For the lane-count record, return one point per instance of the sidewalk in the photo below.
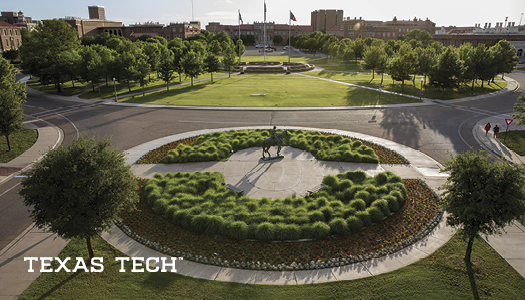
(33, 242)
(511, 244)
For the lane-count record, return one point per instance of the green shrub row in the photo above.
(219, 145)
(347, 203)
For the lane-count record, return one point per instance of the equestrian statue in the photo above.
(274, 140)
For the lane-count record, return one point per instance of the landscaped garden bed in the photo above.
(353, 218)
(324, 146)
(416, 218)
(348, 202)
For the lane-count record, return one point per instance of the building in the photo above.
(10, 36)
(96, 12)
(18, 19)
(323, 19)
(488, 35)
(257, 30)
(92, 27)
(389, 30)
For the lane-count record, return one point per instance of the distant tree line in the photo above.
(53, 53)
(417, 53)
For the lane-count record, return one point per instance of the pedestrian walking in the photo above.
(487, 128)
(496, 130)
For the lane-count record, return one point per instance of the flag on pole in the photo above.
(292, 17)
(264, 11)
(240, 18)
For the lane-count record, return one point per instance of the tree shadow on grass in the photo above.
(59, 285)
(161, 95)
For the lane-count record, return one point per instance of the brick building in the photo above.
(10, 36)
(325, 19)
(257, 30)
(389, 30)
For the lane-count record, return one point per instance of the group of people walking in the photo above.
(495, 129)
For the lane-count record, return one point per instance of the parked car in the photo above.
(268, 50)
(258, 46)
(285, 47)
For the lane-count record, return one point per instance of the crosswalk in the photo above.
(59, 110)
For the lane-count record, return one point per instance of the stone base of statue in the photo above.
(271, 157)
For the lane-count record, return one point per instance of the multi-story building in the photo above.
(257, 30)
(10, 36)
(97, 12)
(488, 35)
(18, 19)
(389, 30)
(325, 19)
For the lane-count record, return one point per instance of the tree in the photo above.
(212, 64)
(242, 48)
(79, 191)
(141, 69)
(12, 95)
(374, 58)
(167, 67)
(402, 66)
(418, 38)
(519, 110)
(482, 197)
(447, 71)
(45, 51)
(504, 58)
(11, 54)
(277, 39)
(229, 59)
(192, 65)
(91, 67)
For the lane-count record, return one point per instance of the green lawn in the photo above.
(278, 58)
(20, 142)
(514, 140)
(280, 90)
(442, 275)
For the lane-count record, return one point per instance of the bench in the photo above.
(234, 188)
(315, 189)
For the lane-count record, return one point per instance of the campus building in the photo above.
(325, 19)
(10, 36)
(384, 30)
(18, 19)
(488, 35)
(257, 30)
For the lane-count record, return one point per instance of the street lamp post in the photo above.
(115, 88)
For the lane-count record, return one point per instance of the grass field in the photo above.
(441, 275)
(20, 142)
(280, 91)
(514, 140)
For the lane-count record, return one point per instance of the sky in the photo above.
(443, 13)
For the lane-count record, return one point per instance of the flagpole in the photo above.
(264, 30)
(239, 41)
(289, 35)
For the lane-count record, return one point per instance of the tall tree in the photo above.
(374, 57)
(167, 67)
(228, 59)
(192, 64)
(47, 49)
(12, 95)
(504, 58)
(91, 67)
(240, 44)
(212, 64)
(401, 67)
(482, 196)
(447, 71)
(79, 191)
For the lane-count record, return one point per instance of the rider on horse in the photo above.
(274, 136)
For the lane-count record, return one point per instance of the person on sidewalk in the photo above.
(496, 130)
(487, 128)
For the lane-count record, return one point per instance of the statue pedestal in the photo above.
(271, 157)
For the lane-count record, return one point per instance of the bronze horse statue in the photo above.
(277, 141)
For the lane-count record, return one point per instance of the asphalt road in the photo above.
(438, 130)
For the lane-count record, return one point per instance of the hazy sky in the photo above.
(443, 13)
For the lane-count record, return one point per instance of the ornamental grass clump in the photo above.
(201, 203)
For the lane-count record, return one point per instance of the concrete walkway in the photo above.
(511, 244)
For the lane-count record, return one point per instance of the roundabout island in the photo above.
(379, 247)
